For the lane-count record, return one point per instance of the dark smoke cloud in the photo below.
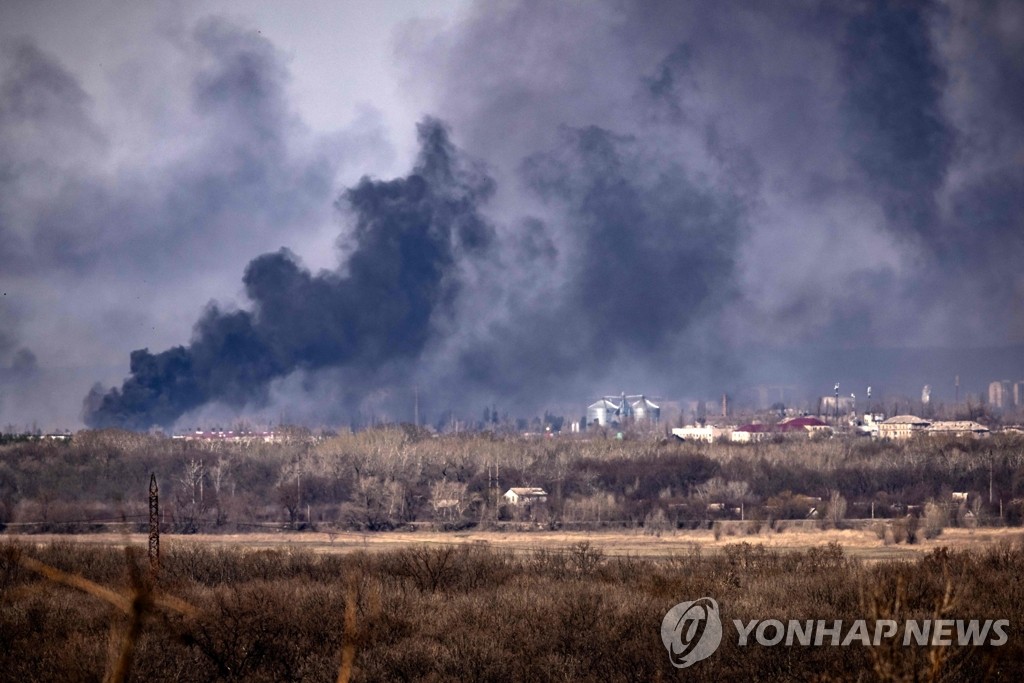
(634, 226)
(42, 109)
(241, 161)
(825, 175)
(216, 169)
(399, 277)
(24, 363)
(676, 189)
(118, 221)
(19, 370)
(641, 229)
(904, 134)
(897, 132)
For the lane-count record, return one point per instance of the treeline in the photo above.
(474, 614)
(391, 477)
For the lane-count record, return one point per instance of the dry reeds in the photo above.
(475, 613)
(139, 601)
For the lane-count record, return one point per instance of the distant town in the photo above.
(751, 415)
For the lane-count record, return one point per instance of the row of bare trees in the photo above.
(389, 477)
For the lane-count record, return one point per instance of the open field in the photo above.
(444, 607)
(381, 593)
(861, 544)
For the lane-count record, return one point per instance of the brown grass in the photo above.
(135, 604)
(475, 612)
(863, 544)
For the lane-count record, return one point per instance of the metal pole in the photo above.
(154, 526)
(991, 467)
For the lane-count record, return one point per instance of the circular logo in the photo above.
(691, 631)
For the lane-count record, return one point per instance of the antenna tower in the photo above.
(154, 526)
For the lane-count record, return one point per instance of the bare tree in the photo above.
(220, 478)
(836, 511)
(448, 499)
(191, 496)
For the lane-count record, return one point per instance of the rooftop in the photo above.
(957, 426)
(527, 491)
(906, 420)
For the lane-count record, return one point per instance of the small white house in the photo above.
(525, 495)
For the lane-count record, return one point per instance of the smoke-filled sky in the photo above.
(314, 211)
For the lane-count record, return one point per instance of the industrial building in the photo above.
(616, 411)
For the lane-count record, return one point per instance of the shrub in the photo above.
(468, 613)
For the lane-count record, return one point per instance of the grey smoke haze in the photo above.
(858, 164)
(656, 194)
(122, 234)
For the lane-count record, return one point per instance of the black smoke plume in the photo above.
(401, 275)
(683, 194)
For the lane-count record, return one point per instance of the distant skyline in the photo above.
(522, 203)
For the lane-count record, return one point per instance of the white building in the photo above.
(958, 428)
(708, 434)
(751, 433)
(525, 495)
(902, 427)
(868, 425)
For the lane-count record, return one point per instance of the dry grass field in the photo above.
(862, 544)
(487, 607)
(379, 592)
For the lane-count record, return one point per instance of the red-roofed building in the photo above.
(751, 432)
(808, 424)
(796, 425)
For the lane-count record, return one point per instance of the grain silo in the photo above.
(604, 412)
(644, 409)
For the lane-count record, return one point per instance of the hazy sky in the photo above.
(596, 192)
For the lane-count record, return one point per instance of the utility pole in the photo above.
(154, 527)
(991, 467)
(416, 406)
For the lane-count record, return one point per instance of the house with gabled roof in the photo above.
(523, 495)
